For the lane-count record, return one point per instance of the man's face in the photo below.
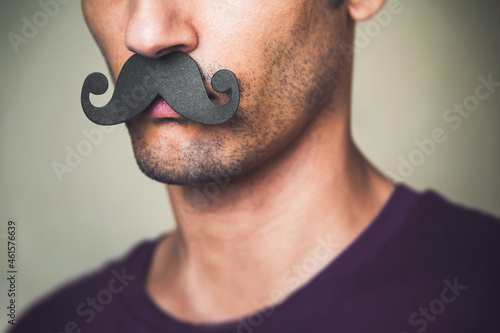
(285, 54)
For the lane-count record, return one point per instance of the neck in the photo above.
(226, 257)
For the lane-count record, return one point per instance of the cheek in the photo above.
(107, 21)
(234, 34)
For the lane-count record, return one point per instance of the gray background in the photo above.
(427, 59)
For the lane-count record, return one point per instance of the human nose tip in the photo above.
(156, 28)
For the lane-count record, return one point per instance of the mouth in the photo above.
(159, 108)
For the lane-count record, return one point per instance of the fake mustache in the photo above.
(175, 77)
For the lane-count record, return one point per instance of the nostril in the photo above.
(165, 51)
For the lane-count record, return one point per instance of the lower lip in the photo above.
(160, 109)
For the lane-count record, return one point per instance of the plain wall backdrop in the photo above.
(411, 66)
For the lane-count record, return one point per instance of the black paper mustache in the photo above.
(175, 77)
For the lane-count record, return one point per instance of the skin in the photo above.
(252, 197)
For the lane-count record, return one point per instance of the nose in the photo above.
(158, 27)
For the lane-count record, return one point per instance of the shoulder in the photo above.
(78, 301)
(440, 252)
(441, 236)
(454, 222)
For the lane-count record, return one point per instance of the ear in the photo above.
(361, 10)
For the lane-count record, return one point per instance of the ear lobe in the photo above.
(361, 10)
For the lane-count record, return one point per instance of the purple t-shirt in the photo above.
(423, 265)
